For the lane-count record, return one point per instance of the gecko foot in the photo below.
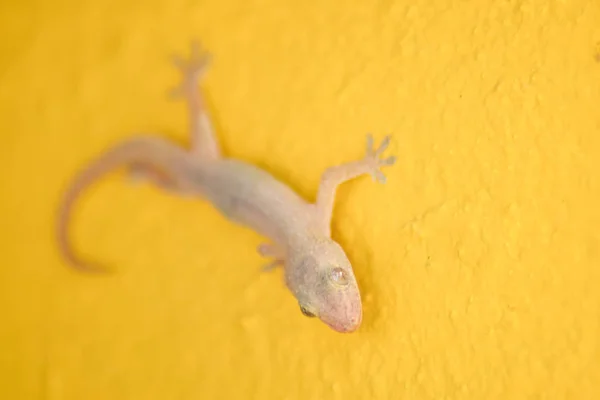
(374, 161)
(192, 69)
(272, 265)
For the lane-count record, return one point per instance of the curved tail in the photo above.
(148, 151)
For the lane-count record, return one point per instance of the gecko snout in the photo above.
(348, 326)
(344, 319)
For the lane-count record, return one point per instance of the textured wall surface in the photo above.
(479, 261)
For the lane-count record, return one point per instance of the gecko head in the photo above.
(328, 289)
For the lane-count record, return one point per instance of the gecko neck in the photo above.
(305, 241)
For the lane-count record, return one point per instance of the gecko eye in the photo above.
(306, 312)
(339, 276)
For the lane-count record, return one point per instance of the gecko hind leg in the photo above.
(139, 173)
(203, 139)
(204, 142)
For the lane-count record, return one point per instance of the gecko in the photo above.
(316, 269)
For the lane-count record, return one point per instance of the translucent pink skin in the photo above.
(316, 269)
(342, 308)
(342, 313)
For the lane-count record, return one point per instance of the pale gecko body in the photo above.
(316, 269)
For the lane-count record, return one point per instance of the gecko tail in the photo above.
(150, 151)
(65, 246)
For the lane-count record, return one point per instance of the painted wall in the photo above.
(478, 261)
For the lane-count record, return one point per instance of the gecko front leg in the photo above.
(271, 251)
(335, 176)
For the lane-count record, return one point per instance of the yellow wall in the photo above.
(478, 261)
